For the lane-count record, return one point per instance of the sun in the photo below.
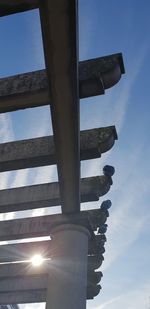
(37, 260)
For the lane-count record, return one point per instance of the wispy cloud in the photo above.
(126, 90)
(125, 223)
(108, 303)
(136, 298)
(127, 219)
(6, 134)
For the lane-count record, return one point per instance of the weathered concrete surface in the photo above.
(21, 277)
(42, 226)
(31, 89)
(29, 290)
(41, 151)
(24, 251)
(24, 297)
(26, 270)
(46, 195)
(8, 7)
(70, 250)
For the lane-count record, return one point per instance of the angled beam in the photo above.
(31, 89)
(46, 195)
(16, 6)
(42, 226)
(41, 151)
(60, 41)
(24, 251)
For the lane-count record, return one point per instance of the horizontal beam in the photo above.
(24, 251)
(16, 6)
(24, 297)
(26, 270)
(23, 283)
(27, 290)
(46, 195)
(31, 89)
(42, 226)
(41, 151)
(23, 277)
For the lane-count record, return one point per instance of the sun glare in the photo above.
(37, 260)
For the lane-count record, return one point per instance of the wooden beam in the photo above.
(31, 89)
(24, 251)
(41, 151)
(42, 226)
(60, 41)
(46, 195)
(16, 6)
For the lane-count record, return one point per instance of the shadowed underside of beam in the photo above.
(26, 269)
(31, 89)
(8, 7)
(46, 195)
(60, 43)
(24, 251)
(41, 151)
(42, 226)
(24, 297)
(23, 277)
(33, 295)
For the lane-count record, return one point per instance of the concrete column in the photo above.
(67, 283)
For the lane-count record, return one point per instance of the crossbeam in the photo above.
(8, 7)
(42, 226)
(31, 89)
(27, 270)
(27, 289)
(47, 195)
(41, 151)
(24, 251)
(24, 297)
(23, 277)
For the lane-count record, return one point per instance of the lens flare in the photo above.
(37, 260)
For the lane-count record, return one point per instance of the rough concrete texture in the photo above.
(41, 151)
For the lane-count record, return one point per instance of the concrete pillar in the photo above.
(67, 283)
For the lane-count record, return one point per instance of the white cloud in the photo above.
(126, 220)
(6, 134)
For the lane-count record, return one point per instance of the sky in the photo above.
(105, 27)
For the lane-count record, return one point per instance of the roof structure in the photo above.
(64, 82)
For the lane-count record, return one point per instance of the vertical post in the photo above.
(67, 283)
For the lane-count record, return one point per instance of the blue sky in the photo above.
(106, 27)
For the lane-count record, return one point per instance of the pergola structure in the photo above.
(67, 277)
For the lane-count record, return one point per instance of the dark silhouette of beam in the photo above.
(8, 7)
